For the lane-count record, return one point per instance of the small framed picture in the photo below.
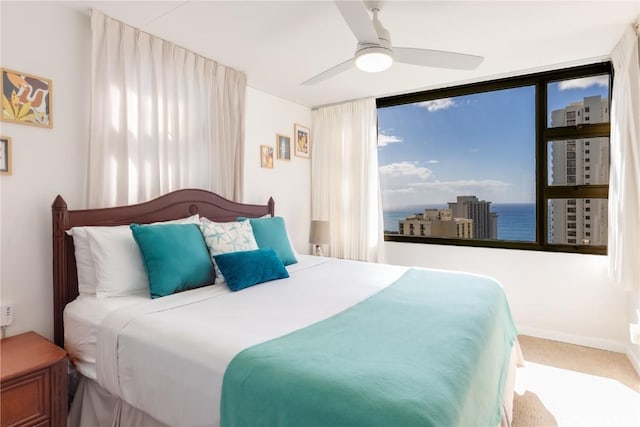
(266, 156)
(5, 155)
(283, 147)
(302, 140)
(26, 99)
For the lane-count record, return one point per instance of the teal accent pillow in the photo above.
(175, 257)
(272, 233)
(247, 268)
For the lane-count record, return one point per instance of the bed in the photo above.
(329, 342)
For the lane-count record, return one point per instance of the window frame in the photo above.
(544, 134)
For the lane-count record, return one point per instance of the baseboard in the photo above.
(600, 343)
(592, 342)
(633, 358)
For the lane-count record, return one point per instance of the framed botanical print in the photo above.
(302, 141)
(283, 147)
(26, 99)
(266, 156)
(5, 155)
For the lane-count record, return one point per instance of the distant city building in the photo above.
(578, 221)
(436, 223)
(485, 222)
(582, 161)
(592, 109)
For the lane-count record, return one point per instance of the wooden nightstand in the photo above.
(33, 382)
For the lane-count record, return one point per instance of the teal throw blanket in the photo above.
(432, 349)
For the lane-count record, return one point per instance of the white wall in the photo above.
(561, 296)
(289, 182)
(53, 40)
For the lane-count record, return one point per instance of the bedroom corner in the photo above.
(47, 162)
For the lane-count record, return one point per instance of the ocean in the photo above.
(516, 221)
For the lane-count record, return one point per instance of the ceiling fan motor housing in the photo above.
(375, 57)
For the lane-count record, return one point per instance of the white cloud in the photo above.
(437, 104)
(584, 82)
(403, 175)
(440, 192)
(461, 187)
(433, 161)
(384, 140)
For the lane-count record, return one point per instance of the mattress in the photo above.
(82, 319)
(196, 334)
(84, 315)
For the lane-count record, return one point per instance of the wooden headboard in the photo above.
(178, 204)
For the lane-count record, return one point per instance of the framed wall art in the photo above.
(266, 156)
(26, 99)
(302, 140)
(5, 155)
(283, 147)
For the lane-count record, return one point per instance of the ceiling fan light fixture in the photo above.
(374, 59)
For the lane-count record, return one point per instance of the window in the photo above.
(499, 163)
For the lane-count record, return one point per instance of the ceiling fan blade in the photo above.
(337, 69)
(436, 58)
(358, 19)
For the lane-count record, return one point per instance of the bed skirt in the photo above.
(93, 406)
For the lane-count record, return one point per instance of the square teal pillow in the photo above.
(175, 257)
(272, 233)
(247, 268)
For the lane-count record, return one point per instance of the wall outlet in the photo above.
(6, 315)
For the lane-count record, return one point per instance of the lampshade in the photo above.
(374, 59)
(319, 233)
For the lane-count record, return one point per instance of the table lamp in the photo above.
(319, 235)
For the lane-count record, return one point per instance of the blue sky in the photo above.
(481, 144)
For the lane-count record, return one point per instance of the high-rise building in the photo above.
(583, 161)
(436, 223)
(485, 222)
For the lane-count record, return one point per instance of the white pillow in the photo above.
(84, 260)
(118, 263)
(108, 259)
(226, 237)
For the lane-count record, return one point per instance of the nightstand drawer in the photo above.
(25, 400)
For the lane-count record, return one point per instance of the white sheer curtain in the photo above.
(162, 118)
(624, 183)
(344, 178)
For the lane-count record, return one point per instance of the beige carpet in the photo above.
(569, 385)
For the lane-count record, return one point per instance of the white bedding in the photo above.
(82, 319)
(219, 324)
(197, 333)
(84, 315)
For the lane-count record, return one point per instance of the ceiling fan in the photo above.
(375, 53)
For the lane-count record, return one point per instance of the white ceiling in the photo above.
(280, 44)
